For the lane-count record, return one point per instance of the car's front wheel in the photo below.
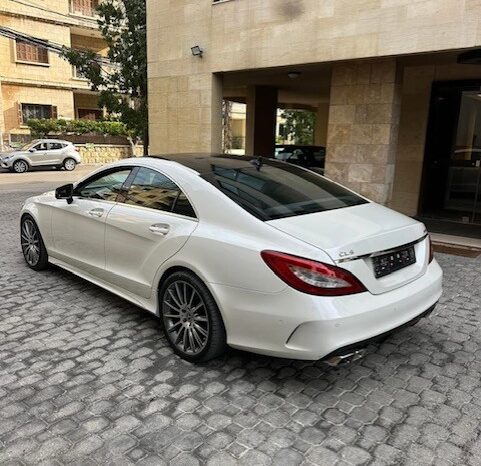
(20, 166)
(69, 164)
(33, 248)
(190, 317)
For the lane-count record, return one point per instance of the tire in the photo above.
(31, 242)
(190, 318)
(20, 166)
(69, 164)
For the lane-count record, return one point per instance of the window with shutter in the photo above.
(31, 53)
(19, 113)
(83, 7)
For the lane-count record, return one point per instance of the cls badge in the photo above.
(346, 253)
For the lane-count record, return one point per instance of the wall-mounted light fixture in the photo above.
(197, 51)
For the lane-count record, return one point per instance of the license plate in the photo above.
(393, 261)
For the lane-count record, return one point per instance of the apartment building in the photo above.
(396, 85)
(35, 82)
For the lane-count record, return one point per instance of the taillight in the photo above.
(77, 149)
(312, 277)
(431, 249)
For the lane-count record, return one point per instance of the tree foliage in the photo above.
(42, 128)
(123, 83)
(299, 126)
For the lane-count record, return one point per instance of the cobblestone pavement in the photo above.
(86, 378)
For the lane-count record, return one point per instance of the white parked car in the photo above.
(252, 253)
(41, 153)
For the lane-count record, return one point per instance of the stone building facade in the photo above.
(372, 70)
(38, 83)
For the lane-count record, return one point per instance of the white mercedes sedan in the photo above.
(252, 253)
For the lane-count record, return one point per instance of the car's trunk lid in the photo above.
(351, 235)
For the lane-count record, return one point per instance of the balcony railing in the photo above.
(83, 7)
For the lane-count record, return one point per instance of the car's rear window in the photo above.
(271, 190)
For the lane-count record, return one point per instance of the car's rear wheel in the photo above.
(33, 247)
(190, 317)
(20, 166)
(69, 164)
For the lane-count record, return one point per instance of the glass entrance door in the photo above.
(462, 190)
(452, 174)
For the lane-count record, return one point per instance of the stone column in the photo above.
(413, 124)
(322, 120)
(261, 120)
(185, 113)
(363, 127)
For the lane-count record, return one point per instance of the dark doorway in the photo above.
(452, 166)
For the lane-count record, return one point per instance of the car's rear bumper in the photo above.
(296, 325)
(360, 345)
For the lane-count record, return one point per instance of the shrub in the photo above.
(42, 128)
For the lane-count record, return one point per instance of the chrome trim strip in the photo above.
(381, 253)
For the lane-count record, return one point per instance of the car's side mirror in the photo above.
(32, 150)
(65, 192)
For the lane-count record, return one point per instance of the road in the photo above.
(40, 180)
(87, 378)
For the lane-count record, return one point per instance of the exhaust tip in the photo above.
(344, 359)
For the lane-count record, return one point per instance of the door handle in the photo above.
(98, 212)
(159, 228)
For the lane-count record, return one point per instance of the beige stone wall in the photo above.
(2, 116)
(57, 71)
(59, 6)
(185, 114)
(245, 34)
(51, 83)
(363, 127)
(13, 95)
(102, 154)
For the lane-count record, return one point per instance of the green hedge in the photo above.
(41, 128)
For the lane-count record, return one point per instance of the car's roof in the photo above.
(36, 141)
(204, 163)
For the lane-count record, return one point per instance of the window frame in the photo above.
(23, 120)
(38, 143)
(99, 175)
(82, 12)
(51, 143)
(29, 62)
(213, 178)
(128, 183)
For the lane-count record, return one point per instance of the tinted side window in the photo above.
(183, 207)
(153, 190)
(55, 146)
(41, 146)
(105, 187)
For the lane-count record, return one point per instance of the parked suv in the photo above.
(39, 153)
